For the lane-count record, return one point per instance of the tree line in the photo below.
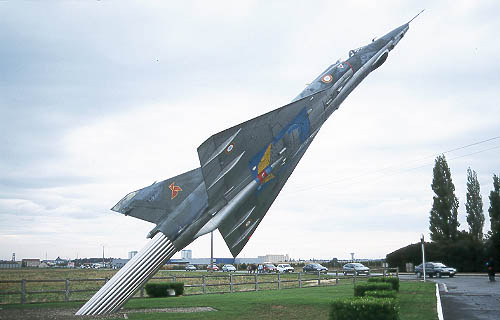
(467, 250)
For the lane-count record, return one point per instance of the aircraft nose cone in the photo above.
(396, 35)
(399, 31)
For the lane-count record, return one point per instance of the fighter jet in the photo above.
(242, 170)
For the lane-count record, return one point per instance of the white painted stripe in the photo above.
(438, 304)
(227, 169)
(240, 222)
(221, 148)
(445, 287)
(245, 234)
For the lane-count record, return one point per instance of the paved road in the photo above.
(469, 297)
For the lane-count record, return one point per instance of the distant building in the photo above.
(187, 254)
(10, 265)
(249, 260)
(119, 263)
(30, 263)
(60, 262)
(187, 258)
(131, 254)
(206, 261)
(180, 262)
(275, 258)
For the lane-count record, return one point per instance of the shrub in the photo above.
(364, 309)
(463, 254)
(392, 280)
(391, 294)
(360, 289)
(161, 289)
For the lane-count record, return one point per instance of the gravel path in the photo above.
(63, 313)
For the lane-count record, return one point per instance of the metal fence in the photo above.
(30, 291)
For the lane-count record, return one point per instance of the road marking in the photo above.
(438, 303)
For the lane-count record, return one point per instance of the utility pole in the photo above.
(103, 263)
(423, 254)
(212, 251)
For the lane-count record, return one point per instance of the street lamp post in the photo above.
(423, 254)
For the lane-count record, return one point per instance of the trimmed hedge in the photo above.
(365, 308)
(360, 289)
(392, 280)
(391, 294)
(156, 290)
(465, 255)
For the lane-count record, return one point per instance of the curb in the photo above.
(438, 304)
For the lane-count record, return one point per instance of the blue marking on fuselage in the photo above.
(300, 122)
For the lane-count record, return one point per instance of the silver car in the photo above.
(355, 269)
(228, 268)
(190, 267)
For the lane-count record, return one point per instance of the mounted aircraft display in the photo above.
(242, 170)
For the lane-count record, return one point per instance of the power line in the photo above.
(396, 166)
(470, 145)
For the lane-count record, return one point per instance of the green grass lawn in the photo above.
(417, 301)
(37, 281)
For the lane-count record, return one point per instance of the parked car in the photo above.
(435, 269)
(284, 267)
(269, 267)
(216, 268)
(314, 267)
(355, 269)
(228, 268)
(190, 267)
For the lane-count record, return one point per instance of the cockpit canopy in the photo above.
(354, 51)
(325, 80)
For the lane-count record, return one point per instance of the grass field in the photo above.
(417, 301)
(43, 282)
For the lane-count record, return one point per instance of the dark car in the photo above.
(435, 269)
(355, 269)
(314, 267)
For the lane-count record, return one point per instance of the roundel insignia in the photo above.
(327, 78)
(248, 223)
(230, 148)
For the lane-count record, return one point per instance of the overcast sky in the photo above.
(101, 98)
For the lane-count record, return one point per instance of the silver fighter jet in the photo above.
(242, 170)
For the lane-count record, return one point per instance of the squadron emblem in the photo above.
(175, 190)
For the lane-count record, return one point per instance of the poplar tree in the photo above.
(443, 220)
(494, 212)
(474, 206)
